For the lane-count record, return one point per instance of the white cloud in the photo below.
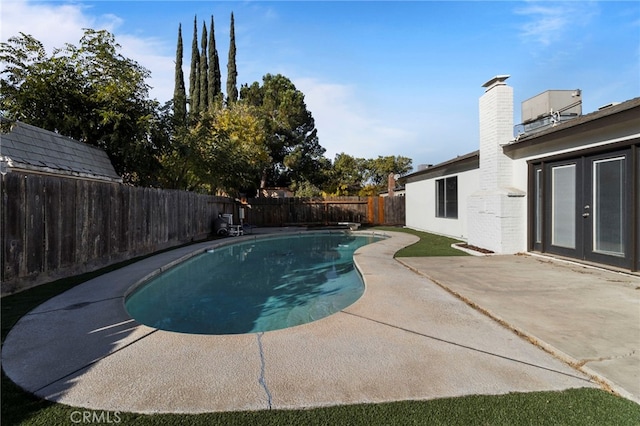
(549, 22)
(162, 67)
(53, 25)
(57, 24)
(360, 124)
(346, 124)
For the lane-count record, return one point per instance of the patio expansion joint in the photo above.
(262, 380)
(471, 348)
(95, 361)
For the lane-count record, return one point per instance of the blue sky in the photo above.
(380, 78)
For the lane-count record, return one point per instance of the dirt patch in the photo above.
(475, 248)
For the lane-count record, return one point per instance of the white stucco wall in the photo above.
(421, 205)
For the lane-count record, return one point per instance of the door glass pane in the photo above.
(538, 206)
(608, 203)
(563, 206)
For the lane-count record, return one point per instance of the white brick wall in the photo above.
(496, 128)
(496, 221)
(497, 212)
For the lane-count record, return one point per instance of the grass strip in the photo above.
(429, 244)
(582, 407)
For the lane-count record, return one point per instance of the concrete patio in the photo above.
(406, 338)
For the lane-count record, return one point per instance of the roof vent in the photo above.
(609, 105)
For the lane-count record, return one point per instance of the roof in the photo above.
(459, 164)
(621, 110)
(33, 149)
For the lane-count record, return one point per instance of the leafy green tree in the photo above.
(204, 72)
(232, 73)
(179, 161)
(194, 74)
(91, 93)
(179, 91)
(347, 175)
(46, 92)
(305, 189)
(291, 136)
(215, 87)
(379, 169)
(364, 177)
(231, 148)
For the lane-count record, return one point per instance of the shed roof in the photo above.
(33, 149)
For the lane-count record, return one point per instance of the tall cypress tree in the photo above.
(179, 95)
(214, 69)
(232, 74)
(194, 82)
(204, 71)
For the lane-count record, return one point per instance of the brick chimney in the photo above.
(391, 184)
(496, 128)
(496, 213)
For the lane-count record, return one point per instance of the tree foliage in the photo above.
(347, 175)
(263, 136)
(204, 72)
(359, 176)
(291, 136)
(89, 92)
(225, 152)
(194, 73)
(215, 87)
(179, 91)
(232, 72)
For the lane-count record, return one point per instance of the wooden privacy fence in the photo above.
(55, 227)
(325, 211)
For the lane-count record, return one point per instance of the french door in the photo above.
(582, 207)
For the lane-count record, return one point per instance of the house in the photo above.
(567, 184)
(394, 189)
(275, 192)
(30, 149)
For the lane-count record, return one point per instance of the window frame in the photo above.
(446, 202)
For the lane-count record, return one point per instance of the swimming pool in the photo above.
(255, 285)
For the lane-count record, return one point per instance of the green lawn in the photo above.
(571, 407)
(429, 244)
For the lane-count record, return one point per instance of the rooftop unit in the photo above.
(548, 109)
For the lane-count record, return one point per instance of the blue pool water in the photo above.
(253, 286)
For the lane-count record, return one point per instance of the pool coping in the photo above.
(82, 349)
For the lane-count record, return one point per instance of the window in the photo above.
(447, 197)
